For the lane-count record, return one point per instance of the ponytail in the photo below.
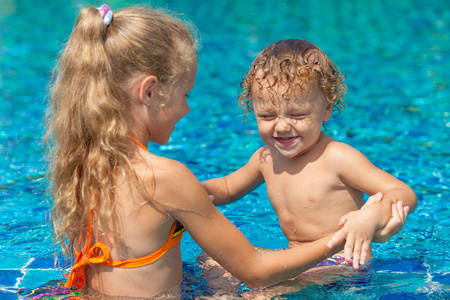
(88, 126)
(88, 116)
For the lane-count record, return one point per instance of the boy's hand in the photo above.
(358, 228)
(395, 224)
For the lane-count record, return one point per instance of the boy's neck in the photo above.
(310, 147)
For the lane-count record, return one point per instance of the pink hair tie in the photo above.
(106, 13)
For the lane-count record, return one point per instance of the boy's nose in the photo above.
(282, 124)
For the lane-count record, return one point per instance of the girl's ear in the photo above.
(148, 89)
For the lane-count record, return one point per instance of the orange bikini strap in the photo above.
(87, 243)
(88, 255)
(77, 275)
(137, 142)
(85, 256)
(173, 240)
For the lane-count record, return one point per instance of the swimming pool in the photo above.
(396, 56)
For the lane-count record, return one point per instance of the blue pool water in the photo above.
(396, 55)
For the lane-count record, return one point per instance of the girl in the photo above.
(122, 81)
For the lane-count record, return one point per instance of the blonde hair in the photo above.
(293, 64)
(87, 122)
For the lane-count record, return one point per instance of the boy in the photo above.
(314, 183)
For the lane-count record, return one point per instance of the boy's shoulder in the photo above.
(333, 149)
(341, 155)
(331, 146)
(262, 156)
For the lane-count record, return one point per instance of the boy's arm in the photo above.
(232, 187)
(382, 235)
(395, 224)
(357, 171)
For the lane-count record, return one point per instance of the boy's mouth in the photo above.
(285, 141)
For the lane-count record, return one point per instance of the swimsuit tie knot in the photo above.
(77, 276)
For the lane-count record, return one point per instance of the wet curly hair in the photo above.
(292, 65)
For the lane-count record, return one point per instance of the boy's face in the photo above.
(290, 126)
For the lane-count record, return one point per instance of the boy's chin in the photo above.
(288, 153)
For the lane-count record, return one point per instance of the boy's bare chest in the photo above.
(308, 188)
(299, 180)
(310, 202)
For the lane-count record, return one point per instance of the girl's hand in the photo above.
(395, 224)
(373, 199)
(358, 228)
(357, 239)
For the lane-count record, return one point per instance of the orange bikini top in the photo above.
(77, 276)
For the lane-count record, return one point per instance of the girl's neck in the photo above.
(138, 142)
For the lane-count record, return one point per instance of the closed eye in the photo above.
(266, 116)
(297, 116)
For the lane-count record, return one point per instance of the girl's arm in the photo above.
(236, 185)
(217, 236)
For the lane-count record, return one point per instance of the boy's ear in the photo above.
(328, 111)
(148, 89)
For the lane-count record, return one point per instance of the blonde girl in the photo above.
(122, 82)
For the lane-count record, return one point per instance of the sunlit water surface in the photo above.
(396, 56)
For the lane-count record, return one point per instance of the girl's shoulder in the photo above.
(164, 169)
(168, 179)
